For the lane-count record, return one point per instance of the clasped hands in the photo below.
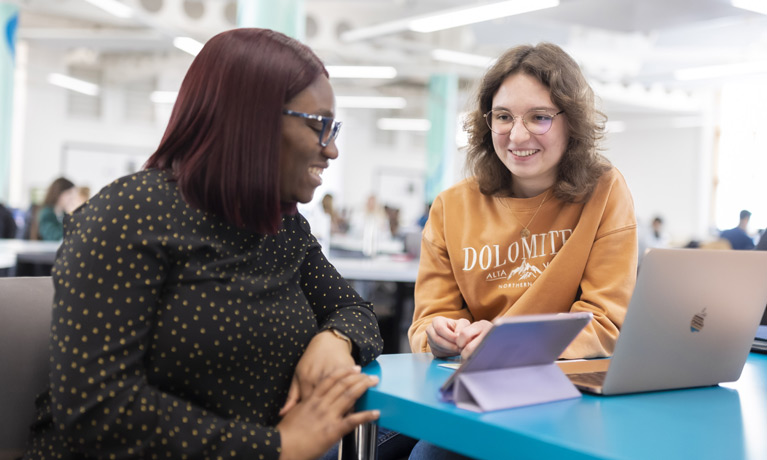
(318, 410)
(450, 337)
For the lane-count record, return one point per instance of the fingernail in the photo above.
(357, 368)
(377, 413)
(374, 379)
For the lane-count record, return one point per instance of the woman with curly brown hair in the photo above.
(544, 225)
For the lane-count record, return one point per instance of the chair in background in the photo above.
(25, 322)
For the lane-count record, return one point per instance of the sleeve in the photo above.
(48, 226)
(337, 305)
(108, 278)
(436, 290)
(608, 278)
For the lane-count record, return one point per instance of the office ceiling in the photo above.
(629, 49)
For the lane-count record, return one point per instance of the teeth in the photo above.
(315, 171)
(524, 153)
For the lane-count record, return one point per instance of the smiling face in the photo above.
(302, 158)
(531, 158)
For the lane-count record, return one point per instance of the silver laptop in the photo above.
(690, 323)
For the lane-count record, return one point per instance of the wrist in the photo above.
(341, 336)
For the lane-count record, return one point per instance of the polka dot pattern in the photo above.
(175, 335)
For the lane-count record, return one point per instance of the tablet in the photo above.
(518, 341)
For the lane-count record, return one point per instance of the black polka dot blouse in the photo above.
(175, 335)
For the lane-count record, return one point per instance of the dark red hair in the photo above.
(222, 143)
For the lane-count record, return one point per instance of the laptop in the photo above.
(690, 323)
(760, 341)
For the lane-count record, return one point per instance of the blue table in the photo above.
(724, 422)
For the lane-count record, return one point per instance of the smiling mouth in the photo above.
(523, 153)
(316, 171)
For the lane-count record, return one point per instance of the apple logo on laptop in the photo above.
(697, 321)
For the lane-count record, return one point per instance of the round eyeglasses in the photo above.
(330, 127)
(536, 121)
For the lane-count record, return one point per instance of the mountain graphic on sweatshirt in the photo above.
(525, 271)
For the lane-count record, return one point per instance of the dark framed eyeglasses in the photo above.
(535, 121)
(330, 127)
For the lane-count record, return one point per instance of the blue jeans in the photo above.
(426, 451)
(391, 446)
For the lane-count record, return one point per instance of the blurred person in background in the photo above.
(7, 223)
(738, 236)
(62, 198)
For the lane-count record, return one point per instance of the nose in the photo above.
(331, 151)
(518, 132)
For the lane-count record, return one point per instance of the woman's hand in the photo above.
(320, 420)
(442, 335)
(471, 336)
(325, 354)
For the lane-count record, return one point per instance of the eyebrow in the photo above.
(529, 110)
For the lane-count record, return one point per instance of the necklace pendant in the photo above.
(525, 233)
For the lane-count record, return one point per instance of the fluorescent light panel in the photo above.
(457, 57)
(447, 19)
(163, 97)
(188, 44)
(463, 16)
(349, 71)
(758, 6)
(718, 71)
(113, 7)
(404, 124)
(73, 84)
(370, 102)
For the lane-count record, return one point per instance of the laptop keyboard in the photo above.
(588, 378)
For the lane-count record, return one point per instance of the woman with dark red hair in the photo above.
(195, 316)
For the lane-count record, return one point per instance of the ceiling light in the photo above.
(113, 7)
(457, 57)
(726, 70)
(361, 71)
(404, 124)
(370, 102)
(446, 19)
(463, 16)
(163, 97)
(74, 84)
(759, 6)
(188, 44)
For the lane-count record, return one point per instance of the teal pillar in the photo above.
(440, 141)
(9, 18)
(286, 16)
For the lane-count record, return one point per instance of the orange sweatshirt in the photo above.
(579, 257)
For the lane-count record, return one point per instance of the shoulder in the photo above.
(611, 184)
(143, 182)
(460, 204)
(611, 202)
(465, 190)
(142, 187)
(143, 195)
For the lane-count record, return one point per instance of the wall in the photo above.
(663, 168)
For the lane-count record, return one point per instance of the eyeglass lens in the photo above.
(501, 121)
(330, 129)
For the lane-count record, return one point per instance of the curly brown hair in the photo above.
(581, 165)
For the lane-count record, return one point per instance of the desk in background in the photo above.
(724, 422)
(398, 269)
(26, 255)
